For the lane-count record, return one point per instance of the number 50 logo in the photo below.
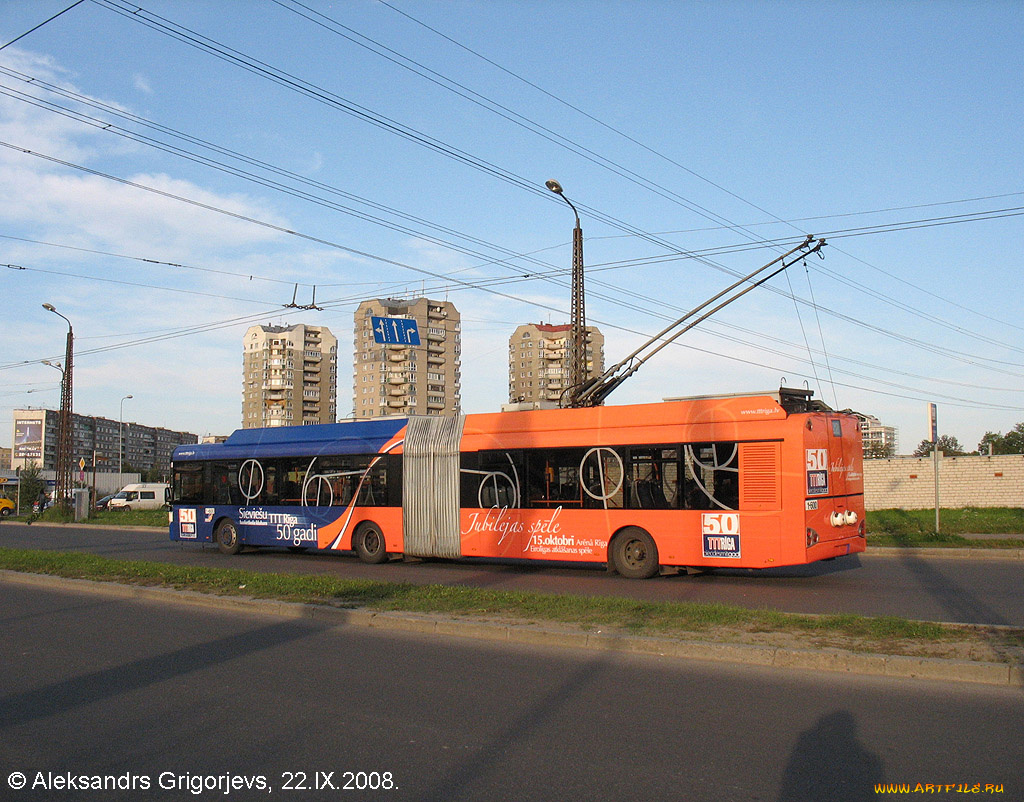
(720, 523)
(817, 459)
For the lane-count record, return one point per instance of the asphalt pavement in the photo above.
(185, 703)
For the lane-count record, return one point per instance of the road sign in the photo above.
(81, 463)
(395, 331)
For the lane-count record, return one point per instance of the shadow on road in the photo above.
(830, 763)
(457, 782)
(959, 604)
(59, 697)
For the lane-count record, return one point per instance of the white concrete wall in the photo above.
(909, 482)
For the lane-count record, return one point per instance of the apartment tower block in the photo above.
(396, 379)
(289, 376)
(538, 363)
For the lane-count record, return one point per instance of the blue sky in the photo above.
(677, 128)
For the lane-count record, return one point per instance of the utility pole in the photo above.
(62, 489)
(577, 311)
(933, 423)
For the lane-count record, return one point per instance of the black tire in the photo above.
(126, 508)
(634, 554)
(369, 544)
(226, 537)
(5, 512)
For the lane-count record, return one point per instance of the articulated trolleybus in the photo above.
(752, 481)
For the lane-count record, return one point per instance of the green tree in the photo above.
(31, 485)
(880, 451)
(947, 444)
(1010, 443)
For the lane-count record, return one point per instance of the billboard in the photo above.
(28, 439)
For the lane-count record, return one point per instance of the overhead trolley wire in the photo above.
(221, 51)
(461, 283)
(320, 94)
(640, 144)
(40, 25)
(966, 358)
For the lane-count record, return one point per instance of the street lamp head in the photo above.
(52, 308)
(554, 186)
(53, 364)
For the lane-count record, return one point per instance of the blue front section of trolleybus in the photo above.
(288, 524)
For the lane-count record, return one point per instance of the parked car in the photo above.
(101, 504)
(6, 507)
(145, 496)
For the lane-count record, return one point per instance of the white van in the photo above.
(140, 497)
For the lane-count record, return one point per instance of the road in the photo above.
(163, 694)
(916, 587)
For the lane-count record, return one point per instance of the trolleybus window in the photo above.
(189, 483)
(712, 476)
(293, 482)
(653, 478)
(491, 479)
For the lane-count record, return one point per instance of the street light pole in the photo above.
(120, 442)
(62, 487)
(577, 311)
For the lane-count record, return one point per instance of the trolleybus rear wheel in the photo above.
(634, 554)
(369, 544)
(227, 538)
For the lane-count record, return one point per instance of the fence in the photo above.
(909, 482)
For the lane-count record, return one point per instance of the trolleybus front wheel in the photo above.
(227, 538)
(369, 544)
(634, 554)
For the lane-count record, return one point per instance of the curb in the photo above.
(835, 660)
(967, 553)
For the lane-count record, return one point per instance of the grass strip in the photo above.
(953, 522)
(638, 617)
